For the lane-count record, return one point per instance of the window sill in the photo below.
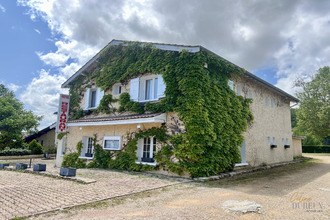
(146, 163)
(88, 158)
(241, 164)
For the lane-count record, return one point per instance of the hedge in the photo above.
(316, 149)
(15, 152)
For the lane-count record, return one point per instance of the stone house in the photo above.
(267, 140)
(45, 137)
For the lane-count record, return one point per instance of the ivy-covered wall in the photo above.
(196, 88)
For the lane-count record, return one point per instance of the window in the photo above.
(116, 89)
(90, 146)
(287, 141)
(267, 102)
(274, 141)
(231, 84)
(148, 149)
(272, 103)
(112, 142)
(93, 97)
(238, 90)
(282, 141)
(268, 140)
(87, 150)
(147, 88)
(41, 142)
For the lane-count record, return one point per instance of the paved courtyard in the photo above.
(23, 194)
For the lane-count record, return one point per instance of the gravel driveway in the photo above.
(278, 191)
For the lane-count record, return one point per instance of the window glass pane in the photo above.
(146, 147)
(119, 90)
(90, 145)
(272, 103)
(238, 90)
(287, 141)
(231, 84)
(148, 89)
(154, 145)
(268, 140)
(93, 99)
(112, 144)
(267, 102)
(156, 88)
(274, 140)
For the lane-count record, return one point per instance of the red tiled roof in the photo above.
(116, 118)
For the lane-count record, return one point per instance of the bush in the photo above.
(73, 160)
(316, 149)
(15, 152)
(35, 147)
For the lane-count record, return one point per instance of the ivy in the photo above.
(106, 104)
(213, 115)
(73, 160)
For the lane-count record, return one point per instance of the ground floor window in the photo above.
(87, 150)
(147, 149)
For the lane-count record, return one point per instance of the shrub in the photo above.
(316, 149)
(15, 152)
(73, 160)
(35, 147)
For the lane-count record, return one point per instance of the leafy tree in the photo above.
(314, 112)
(14, 119)
(35, 147)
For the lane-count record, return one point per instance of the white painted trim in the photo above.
(157, 119)
(88, 158)
(241, 164)
(146, 163)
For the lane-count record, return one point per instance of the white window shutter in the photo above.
(87, 99)
(142, 90)
(161, 87)
(231, 84)
(85, 144)
(134, 89)
(99, 96)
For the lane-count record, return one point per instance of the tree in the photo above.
(14, 119)
(314, 112)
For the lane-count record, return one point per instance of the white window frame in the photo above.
(231, 84)
(90, 98)
(117, 89)
(153, 88)
(141, 144)
(112, 138)
(238, 89)
(84, 150)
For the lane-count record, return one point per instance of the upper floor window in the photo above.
(147, 88)
(268, 140)
(274, 140)
(93, 97)
(116, 89)
(231, 84)
(272, 103)
(267, 101)
(238, 90)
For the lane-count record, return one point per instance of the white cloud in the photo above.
(53, 59)
(3, 9)
(13, 87)
(42, 95)
(291, 37)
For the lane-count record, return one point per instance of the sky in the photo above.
(43, 42)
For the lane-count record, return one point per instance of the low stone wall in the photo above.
(244, 171)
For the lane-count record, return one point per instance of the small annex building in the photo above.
(266, 139)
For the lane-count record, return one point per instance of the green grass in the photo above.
(269, 174)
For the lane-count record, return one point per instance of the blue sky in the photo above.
(43, 42)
